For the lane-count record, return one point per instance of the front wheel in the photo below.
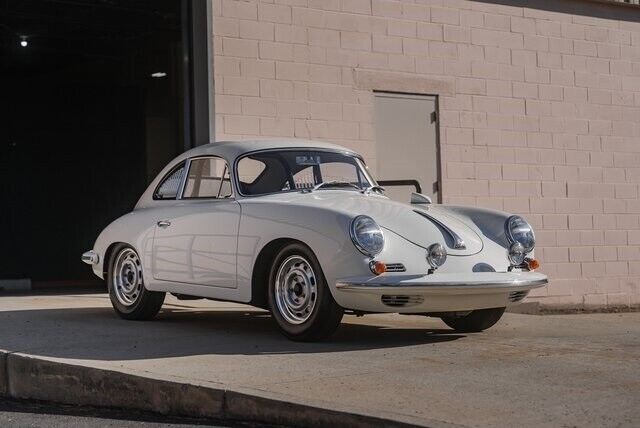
(130, 299)
(474, 321)
(299, 297)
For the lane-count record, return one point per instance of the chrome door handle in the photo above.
(164, 224)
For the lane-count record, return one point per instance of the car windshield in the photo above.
(277, 171)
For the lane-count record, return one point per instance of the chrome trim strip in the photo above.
(432, 285)
(224, 172)
(458, 242)
(510, 237)
(185, 177)
(90, 258)
(352, 235)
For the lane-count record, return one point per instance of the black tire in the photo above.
(325, 316)
(146, 304)
(475, 321)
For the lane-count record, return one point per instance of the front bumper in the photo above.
(446, 283)
(436, 292)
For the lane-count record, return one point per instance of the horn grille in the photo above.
(516, 296)
(396, 267)
(401, 301)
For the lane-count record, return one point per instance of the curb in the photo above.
(30, 378)
(37, 379)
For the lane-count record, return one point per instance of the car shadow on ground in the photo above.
(98, 334)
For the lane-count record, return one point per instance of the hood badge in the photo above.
(458, 242)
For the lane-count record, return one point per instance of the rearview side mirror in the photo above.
(420, 199)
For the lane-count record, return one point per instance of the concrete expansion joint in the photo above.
(4, 377)
(6, 386)
(224, 411)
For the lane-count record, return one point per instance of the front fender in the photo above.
(325, 231)
(490, 223)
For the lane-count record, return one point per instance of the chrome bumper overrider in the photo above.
(446, 283)
(91, 258)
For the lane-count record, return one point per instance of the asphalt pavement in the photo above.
(529, 370)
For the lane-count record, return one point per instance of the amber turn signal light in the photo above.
(533, 264)
(377, 267)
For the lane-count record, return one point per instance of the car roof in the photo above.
(234, 149)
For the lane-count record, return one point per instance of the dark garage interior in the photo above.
(94, 102)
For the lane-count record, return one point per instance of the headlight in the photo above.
(367, 235)
(516, 254)
(521, 232)
(436, 255)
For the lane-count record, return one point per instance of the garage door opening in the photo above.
(407, 143)
(96, 98)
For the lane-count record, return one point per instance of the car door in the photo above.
(196, 240)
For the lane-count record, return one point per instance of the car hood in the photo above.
(422, 225)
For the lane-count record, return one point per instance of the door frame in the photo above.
(199, 93)
(436, 98)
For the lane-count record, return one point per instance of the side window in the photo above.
(208, 178)
(169, 186)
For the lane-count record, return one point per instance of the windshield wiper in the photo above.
(334, 183)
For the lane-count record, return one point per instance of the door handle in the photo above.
(164, 224)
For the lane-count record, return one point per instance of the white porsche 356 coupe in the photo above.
(303, 229)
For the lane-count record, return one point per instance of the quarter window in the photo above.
(208, 178)
(168, 188)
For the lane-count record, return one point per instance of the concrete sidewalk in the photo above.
(581, 370)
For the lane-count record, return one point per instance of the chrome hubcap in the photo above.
(127, 277)
(296, 290)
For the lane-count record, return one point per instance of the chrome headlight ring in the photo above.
(520, 232)
(366, 235)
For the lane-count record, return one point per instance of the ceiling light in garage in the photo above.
(159, 74)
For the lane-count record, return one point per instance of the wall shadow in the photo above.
(591, 8)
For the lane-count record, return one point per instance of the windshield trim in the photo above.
(236, 180)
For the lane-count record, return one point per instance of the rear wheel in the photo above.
(299, 297)
(474, 321)
(130, 299)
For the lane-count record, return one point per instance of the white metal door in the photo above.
(407, 142)
(197, 243)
